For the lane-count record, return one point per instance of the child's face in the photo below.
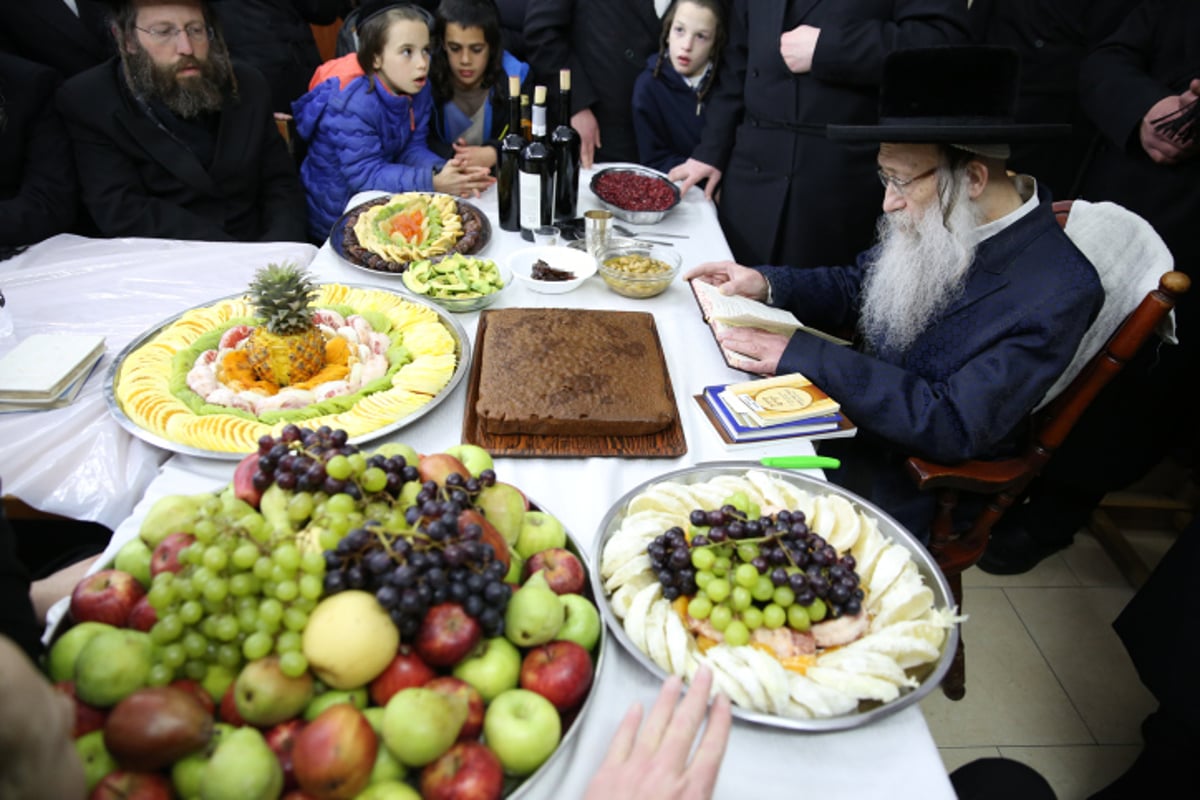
(690, 41)
(467, 52)
(404, 62)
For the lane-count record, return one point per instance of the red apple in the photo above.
(298, 794)
(228, 712)
(564, 570)
(446, 635)
(282, 741)
(125, 785)
(467, 771)
(406, 670)
(335, 753)
(106, 596)
(87, 718)
(559, 671)
(436, 466)
(243, 480)
(142, 616)
(165, 557)
(449, 685)
(197, 691)
(490, 534)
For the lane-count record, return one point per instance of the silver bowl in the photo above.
(636, 217)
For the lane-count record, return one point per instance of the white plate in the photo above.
(563, 258)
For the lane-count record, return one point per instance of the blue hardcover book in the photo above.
(736, 431)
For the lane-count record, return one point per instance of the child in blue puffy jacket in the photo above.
(668, 98)
(371, 134)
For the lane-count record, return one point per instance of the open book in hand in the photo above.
(723, 311)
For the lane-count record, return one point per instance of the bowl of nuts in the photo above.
(638, 269)
(634, 193)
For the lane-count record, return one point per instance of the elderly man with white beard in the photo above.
(968, 308)
(174, 140)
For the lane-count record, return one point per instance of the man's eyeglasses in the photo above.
(901, 184)
(165, 34)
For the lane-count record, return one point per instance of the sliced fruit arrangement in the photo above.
(410, 226)
(336, 622)
(219, 377)
(798, 602)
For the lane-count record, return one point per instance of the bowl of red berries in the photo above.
(635, 194)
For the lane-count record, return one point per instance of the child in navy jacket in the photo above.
(668, 98)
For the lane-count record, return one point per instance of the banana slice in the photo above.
(639, 609)
(681, 647)
(906, 650)
(908, 601)
(767, 487)
(619, 551)
(626, 572)
(658, 499)
(770, 673)
(656, 633)
(853, 684)
(846, 522)
(729, 667)
(888, 567)
(818, 699)
(622, 598)
(865, 662)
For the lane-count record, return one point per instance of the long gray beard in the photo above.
(921, 268)
(185, 98)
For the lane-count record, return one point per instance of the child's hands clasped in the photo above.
(459, 177)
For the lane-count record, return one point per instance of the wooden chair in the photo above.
(1004, 480)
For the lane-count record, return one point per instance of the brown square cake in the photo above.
(569, 372)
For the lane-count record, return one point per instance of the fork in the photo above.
(621, 229)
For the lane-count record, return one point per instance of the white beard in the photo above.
(920, 269)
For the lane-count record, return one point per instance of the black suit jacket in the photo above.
(139, 180)
(38, 190)
(605, 44)
(46, 31)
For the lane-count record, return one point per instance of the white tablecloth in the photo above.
(895, 757)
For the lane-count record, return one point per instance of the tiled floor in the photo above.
(1048, 681)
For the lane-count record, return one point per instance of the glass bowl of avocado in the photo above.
(457, 282)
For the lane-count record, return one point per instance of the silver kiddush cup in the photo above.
(597, 227)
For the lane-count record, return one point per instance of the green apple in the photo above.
(374, 715)
(522, 728)
(242, 767)
(473, 457)
(134, 558)
(97, 761)
(493, 667)
(516, 568)
(534, 613)
(187, 773)
(581, 621)
(387, 767)
(420, 724)
(217, 680)
(60, 664)
(539, 531)
(171, 514)
(355, 697)
(113, 665)
(265, 696)
(389, 790)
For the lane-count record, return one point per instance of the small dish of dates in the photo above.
(635, 194)
(549, 269)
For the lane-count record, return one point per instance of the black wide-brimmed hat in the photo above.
(953, 94)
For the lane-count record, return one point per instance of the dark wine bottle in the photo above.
(509, 195)
(536, 178)
(565, 143)
(526, 118)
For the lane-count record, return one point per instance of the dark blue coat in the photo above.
(668, 116)
(360, 140)
(966, 386)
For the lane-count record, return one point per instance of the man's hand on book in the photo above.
(752, 349)
(731, 278)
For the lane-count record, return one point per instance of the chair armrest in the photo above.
(984, 477)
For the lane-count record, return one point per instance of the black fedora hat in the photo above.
(950, 94)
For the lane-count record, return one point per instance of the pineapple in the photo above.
(286, 347)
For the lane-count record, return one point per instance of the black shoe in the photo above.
(1165, 763)
(1012, 551)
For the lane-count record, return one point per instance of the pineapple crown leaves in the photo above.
(281, 294)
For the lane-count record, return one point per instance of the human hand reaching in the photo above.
(585, 124)
(475, 155)
(797, 47)
(1162, 147)
(653, 764)
(692, 172)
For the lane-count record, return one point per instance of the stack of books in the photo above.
(782, 407)
(47, 370)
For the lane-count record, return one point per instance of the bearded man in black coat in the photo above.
(789, 69)
(172, 140)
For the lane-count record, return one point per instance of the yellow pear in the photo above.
(349, 639)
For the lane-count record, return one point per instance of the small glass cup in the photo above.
(597, 227)
(546, 235)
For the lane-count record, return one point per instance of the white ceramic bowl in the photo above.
(567, 259)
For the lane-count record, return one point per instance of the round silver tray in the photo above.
(887, 526)
(462, 351)
(337, 236)
(635, 217)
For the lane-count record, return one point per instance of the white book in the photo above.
(43, 366)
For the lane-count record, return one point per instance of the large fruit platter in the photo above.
(214, 379)
(813, 608)
(334, 623)
(388, 233)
